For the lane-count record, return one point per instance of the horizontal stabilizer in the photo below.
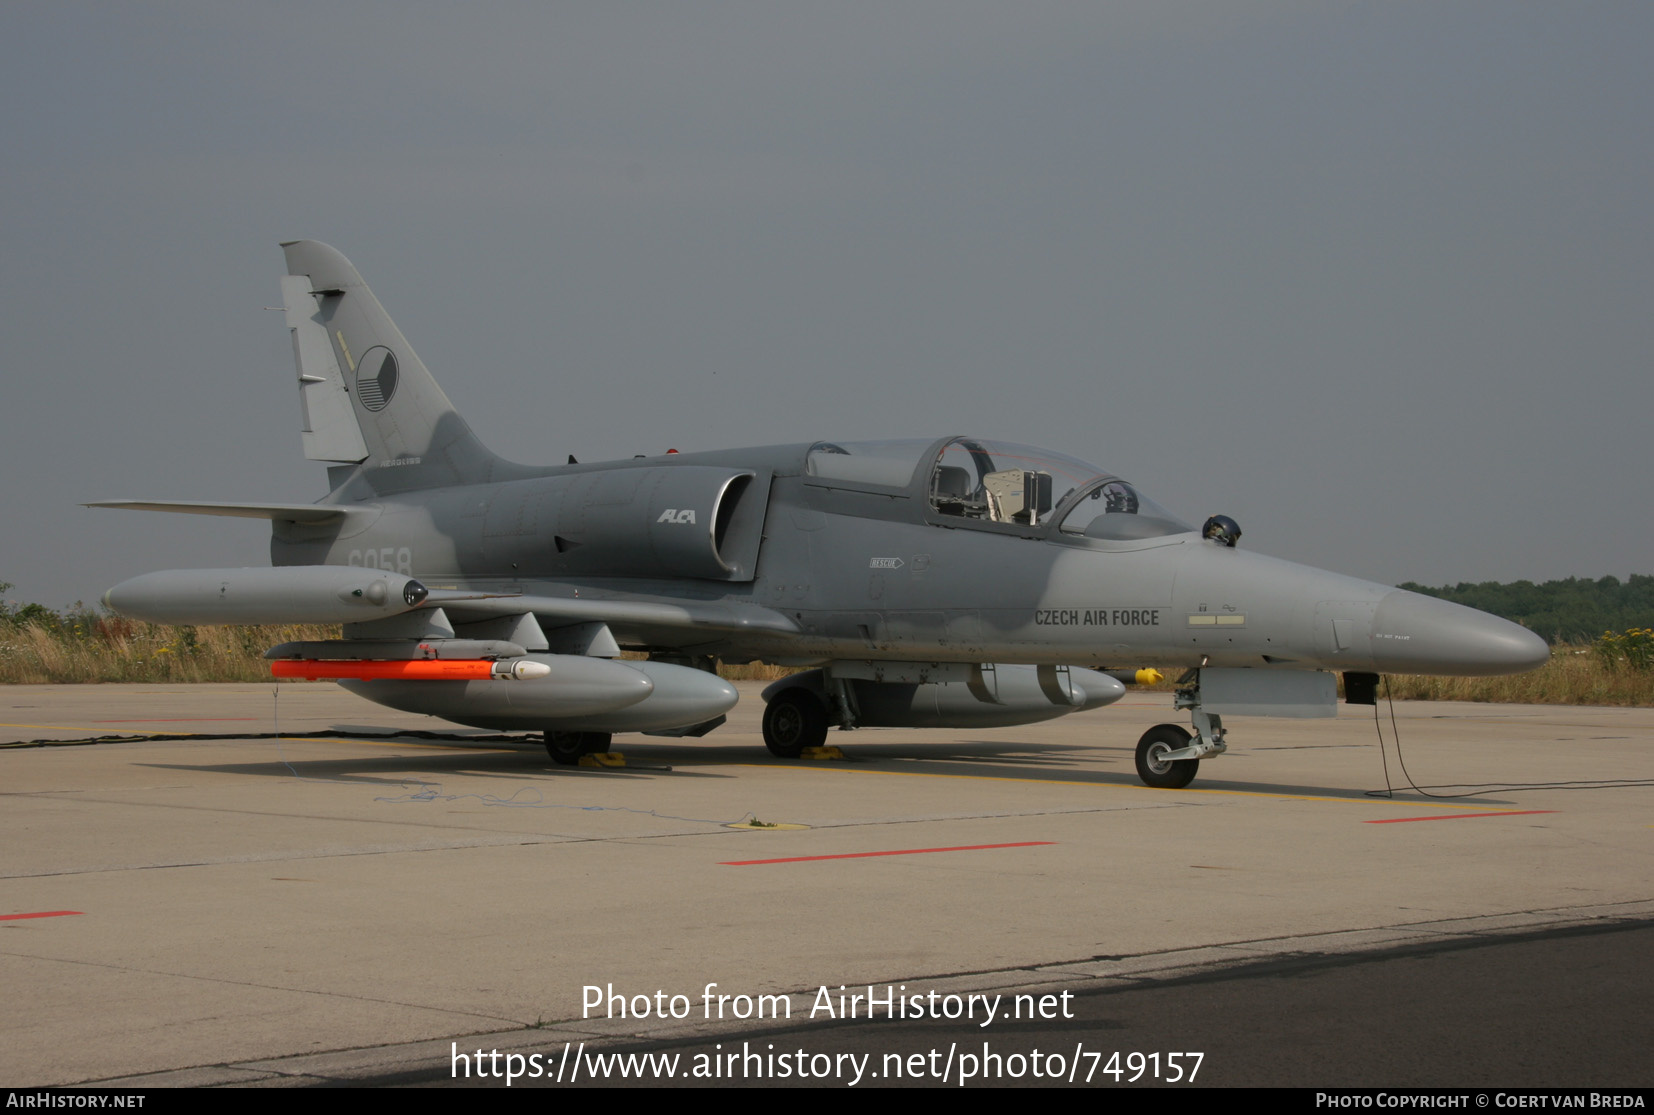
(288, 512)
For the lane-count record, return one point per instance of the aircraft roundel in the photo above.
(376, 377)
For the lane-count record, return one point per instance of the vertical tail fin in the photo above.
(366, 396)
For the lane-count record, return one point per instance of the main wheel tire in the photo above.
(794, 720)
(1165, 774)
(567, 747)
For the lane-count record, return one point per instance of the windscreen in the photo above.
(1114, 509)
(1003, 482)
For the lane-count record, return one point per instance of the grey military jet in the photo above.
(955, 582)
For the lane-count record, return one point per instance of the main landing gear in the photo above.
(567, 747)
(793, 720)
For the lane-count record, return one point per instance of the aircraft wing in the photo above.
(381, 604)
(289, 512)
(715, 618)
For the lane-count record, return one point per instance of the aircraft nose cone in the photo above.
(1414, 634)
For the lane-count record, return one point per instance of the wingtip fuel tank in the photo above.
(284, 594)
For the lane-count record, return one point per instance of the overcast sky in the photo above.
(1375, 279)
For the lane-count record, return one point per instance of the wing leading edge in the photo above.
(285, 512)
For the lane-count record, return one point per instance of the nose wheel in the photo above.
(1153, 766)
(1168, 756)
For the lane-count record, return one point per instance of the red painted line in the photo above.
(898, 852)
(180, 720)
(1459, 816)
(42, 914)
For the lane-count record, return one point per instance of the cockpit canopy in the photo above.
(982, 481)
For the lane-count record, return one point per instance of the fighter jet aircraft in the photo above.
(950, 582)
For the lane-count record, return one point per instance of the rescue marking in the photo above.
(896, 852)
(1459, 816)
(41, 914)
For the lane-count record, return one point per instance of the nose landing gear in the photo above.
(1168, 756)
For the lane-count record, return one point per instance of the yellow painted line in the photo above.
(1113, 786)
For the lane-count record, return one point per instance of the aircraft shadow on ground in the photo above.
(1017, 759)
(1053, 762)
(485, 761)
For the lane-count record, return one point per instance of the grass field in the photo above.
(92, 649)
(88, 648)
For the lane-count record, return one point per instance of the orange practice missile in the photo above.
(424, 669)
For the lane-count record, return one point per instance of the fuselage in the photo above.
(956, 550)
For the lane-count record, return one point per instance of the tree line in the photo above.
(1577, 610)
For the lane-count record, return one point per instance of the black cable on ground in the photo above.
(1474, 789)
